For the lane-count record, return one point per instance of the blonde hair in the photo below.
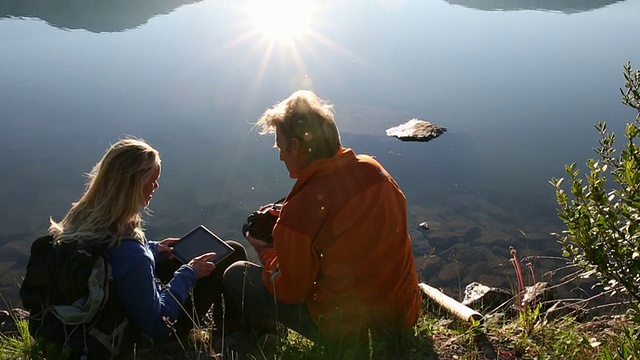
(303, 115)
(110, 206)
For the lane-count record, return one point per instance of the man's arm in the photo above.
(290, 267)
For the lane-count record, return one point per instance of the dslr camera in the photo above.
(260, 223)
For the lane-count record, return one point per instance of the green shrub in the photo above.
(603, 220)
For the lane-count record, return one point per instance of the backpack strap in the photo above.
(110, 341)
(84, 309)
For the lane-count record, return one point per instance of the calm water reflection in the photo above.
(94, 16)
(565, 6)
(519, 92)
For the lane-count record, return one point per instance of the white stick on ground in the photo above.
(454, 307)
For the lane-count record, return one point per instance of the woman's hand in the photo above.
(165, 246)
(202, 265)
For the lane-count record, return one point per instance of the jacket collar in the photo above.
(323, 166)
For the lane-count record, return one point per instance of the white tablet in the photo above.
(200, 241)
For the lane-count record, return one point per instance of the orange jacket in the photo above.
(342, 247)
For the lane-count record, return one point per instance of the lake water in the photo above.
(518, 88)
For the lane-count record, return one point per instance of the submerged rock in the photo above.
(416, 130)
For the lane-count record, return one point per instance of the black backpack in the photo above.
(67, 290)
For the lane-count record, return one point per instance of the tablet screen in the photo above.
(200, 241)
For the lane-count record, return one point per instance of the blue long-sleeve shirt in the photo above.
(146, 302)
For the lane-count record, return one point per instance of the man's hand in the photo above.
(202, 265)
(260, 223)
(258, 245)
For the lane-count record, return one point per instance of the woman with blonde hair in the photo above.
(119, 184)
(120, 187)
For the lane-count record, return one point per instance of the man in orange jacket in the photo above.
(341, 265)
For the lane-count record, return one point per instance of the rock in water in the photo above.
(416, 130)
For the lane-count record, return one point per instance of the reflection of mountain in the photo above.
(92, 15)
(565, 6)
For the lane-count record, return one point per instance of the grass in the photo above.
(438, 336)
(523, 328)
(18, 345)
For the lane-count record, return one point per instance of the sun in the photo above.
(282, 35)
(282, 20)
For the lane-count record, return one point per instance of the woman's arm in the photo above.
(148, 304)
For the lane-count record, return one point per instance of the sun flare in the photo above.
(282, 36)
(282, 20)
